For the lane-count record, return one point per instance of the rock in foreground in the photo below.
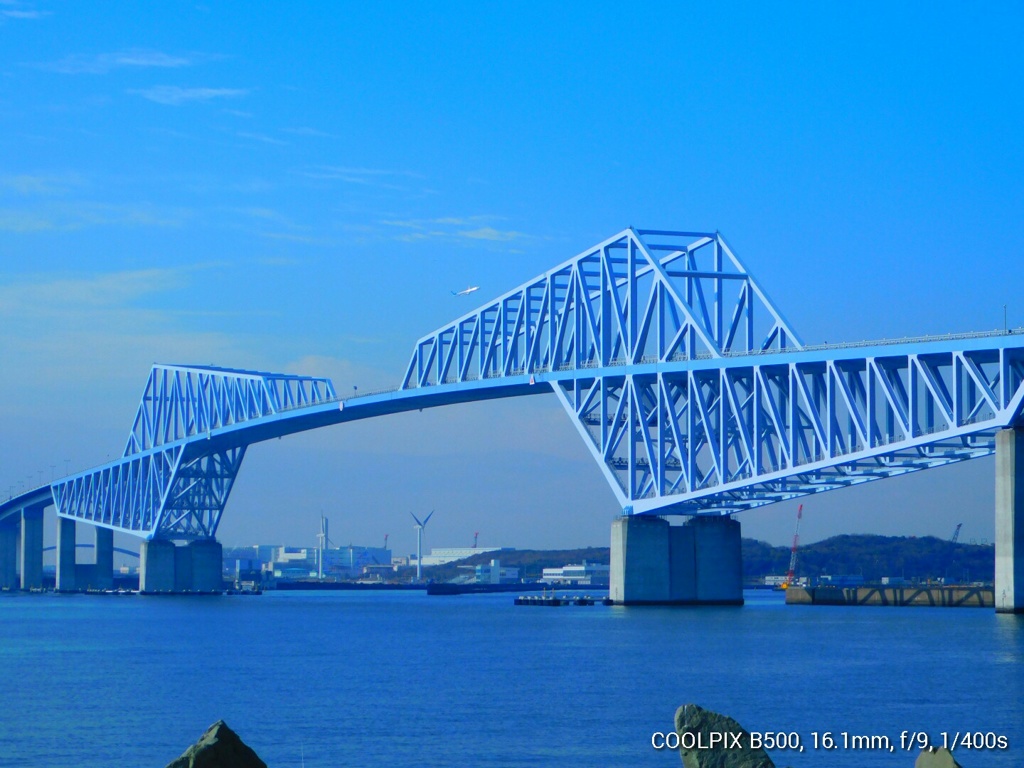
(701, 727)
(936, 758)
(219, 747)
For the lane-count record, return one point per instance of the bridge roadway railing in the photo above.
(721, 434)
(683, 436)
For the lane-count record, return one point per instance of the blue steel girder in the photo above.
(174, 478)
(719, 436)
(694, 394)
(176, 492)
(690, 389)
(180, 402)
(640, 296)
(126, 495)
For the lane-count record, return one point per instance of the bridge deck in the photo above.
(688, 386)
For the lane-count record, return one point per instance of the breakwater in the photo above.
(935, 596)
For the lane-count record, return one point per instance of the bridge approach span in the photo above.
(173, 482)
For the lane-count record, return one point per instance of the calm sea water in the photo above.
(403, 679)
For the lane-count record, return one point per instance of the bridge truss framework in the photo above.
(688, 385)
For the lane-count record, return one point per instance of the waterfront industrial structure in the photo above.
(583, 575)
(329, 562)
(285, 562)
(488, 573)
(445, 555)
(693, 393)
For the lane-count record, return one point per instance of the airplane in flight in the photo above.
(466, 292)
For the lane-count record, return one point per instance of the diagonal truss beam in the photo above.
(180, 402)
(640, 296)
(739, 433)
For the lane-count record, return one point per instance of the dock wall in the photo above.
(943, 597)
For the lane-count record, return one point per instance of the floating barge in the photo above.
(554, 601)
(939, 597)
(447, 588)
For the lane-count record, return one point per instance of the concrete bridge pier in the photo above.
(32, 547)
(207, 556)
(167, 568)
(654, 563)
(8, 555)
(156, 566)
(66, 530)
(103, 546)
(1009, 586)
(73, 576)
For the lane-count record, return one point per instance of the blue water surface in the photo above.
(403, 679)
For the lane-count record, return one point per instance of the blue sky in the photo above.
(300, 187)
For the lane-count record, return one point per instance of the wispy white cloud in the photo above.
(347, 173)
(97, 330)
(280, 261)
(489, 233)
(139, 215)
(292, 237)
(71, 216)
(174, 96)
(25, 15)
(453, 227)
(267, 214)
(39, 184)
(262, 137)
(23, 222)
(443, 221)
(16, 9)
(380, 178)
(39, 298)
(101, 64)
(310, 132)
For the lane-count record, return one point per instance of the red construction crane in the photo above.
(792, 552)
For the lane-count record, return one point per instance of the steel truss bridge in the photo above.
(687, 384)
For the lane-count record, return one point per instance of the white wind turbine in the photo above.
(419, 543)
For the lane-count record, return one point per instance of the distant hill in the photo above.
(872, 557)
(925, 557)
(530, 562)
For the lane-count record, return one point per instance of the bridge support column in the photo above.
(640, 561)
(8, 555)
(207, 556)
(1009, 586)
(717, 553)
(698, 563)
(195, 567)
(32, 547)
(103, 574)
(182, 568)
(156, 566)
(66, 555)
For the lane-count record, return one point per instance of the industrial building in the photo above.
(585, 575)
(313, 562)
(490, 573)
(445, 555)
